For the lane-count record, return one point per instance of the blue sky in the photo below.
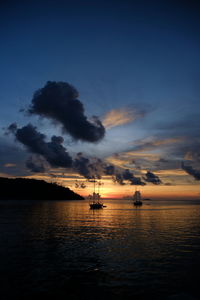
(120, 55)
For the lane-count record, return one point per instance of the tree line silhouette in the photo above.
(33, 189)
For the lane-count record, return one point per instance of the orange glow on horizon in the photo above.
(149, 191)
(109, 189)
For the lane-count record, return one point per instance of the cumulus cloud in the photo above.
(151, 177)
(92, 168)
(109, 169)
(37, 164)
(127, 176)
(54, 152)
(117, 117)
(58, 101)
(118, 178)
(82, 165)
(191, 171)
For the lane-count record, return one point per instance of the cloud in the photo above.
(128, 177)
(188, 124)
(11, 158)
(95, 168)
(11, 128)
(133, 160)
(171, 172)
(109, 169)
(54, 152)
(153, 154)
(37, 164)
(9, 165)
(117, 117)
(191, 171)
(153, 143)
(151, 177)
(192, 150)
(82, 165)
(146, 151)
(92, 168)
(186, 127)
(58, 101)
(118, 178)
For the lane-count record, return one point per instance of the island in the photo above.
(33, 189)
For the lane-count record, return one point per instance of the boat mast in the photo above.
(94, 185)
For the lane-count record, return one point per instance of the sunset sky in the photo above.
(117, 95)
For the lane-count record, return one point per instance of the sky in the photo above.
(102, 89)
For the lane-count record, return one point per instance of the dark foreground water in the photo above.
(63, 250)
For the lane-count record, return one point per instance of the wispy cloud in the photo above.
(118, 117)
(171, 172)
(133, 160)
(152, 143)
(9, 165)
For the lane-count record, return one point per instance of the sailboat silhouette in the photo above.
(95, 198)
(137, 201)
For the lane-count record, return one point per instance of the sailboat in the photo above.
(95, 198)
(137, 198)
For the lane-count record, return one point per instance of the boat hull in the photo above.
(137, 203)
(96, 205)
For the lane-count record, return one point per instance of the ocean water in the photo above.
(64, 250)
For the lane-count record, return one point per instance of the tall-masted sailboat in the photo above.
(95, 199)
(137, 201)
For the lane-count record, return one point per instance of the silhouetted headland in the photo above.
(32, 189)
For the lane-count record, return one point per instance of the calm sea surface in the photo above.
(64, 250)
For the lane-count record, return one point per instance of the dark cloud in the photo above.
(58, 101)
(191, 171)
(54, 152)
(11, 128)
(127, 176)
(92, 168)
(36, 164)
(81, 164)
(151, 177)
(109, 169)
(118, 178)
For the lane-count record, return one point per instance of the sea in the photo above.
(65, 250)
